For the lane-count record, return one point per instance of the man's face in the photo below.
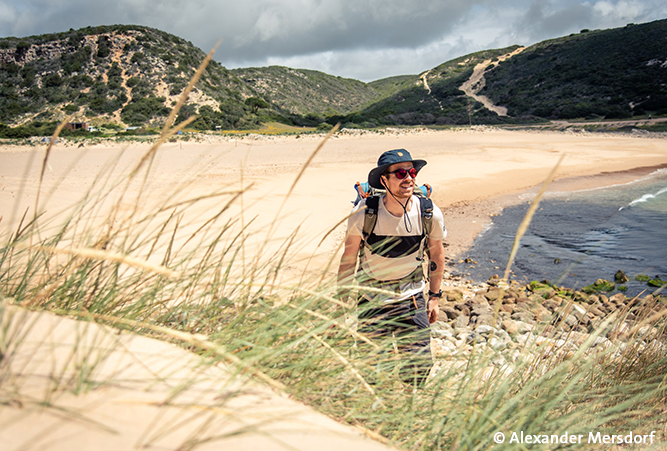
(401, 188)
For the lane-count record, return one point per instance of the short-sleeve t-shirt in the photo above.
(394, 251)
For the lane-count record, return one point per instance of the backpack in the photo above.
(373, 196)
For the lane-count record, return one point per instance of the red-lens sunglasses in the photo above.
(402, 173)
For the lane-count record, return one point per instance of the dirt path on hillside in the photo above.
(476, 82)
(428, 88)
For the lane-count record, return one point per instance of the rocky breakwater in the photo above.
(512, 323)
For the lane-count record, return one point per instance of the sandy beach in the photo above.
(474, 173)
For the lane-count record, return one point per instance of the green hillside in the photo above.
(438, 101)
(300, 92)
(616, 73)
(125, 75)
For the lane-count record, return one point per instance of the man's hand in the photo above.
(432, 308)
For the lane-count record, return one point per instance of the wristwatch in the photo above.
(434, 295)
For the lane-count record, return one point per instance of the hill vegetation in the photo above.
(610, 74)
(433, 98)
(308, 96)
(125, 75)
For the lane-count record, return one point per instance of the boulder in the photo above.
(444, 348)
(485, 329)
(542, 315)
(571, 320)
(620, 277)
(485, 319)
(496, 343)
(480, 301)
(596, 312)
(454, 295)
(524, 316)
(545, 293)
(618, 299)
(593, 299)
(493, 294)
(441, 330)
(600, 286)
(517, 292)
(450, 312)
(474, 337)
(509, 300)
(536, 299)
(464, 309)
(509, 308)
(557, 300)
(582, 318)
(513, 327)
(461, 321)
(550, 305)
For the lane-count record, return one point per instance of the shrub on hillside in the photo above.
(143, 110)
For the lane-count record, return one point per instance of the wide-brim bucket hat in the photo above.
(387, 159)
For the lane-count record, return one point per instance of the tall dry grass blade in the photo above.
(19, 195)
(282, 257)
(194, 200)
(52, 141)
(333, 256)
(126, 223)
(161, 140)
(197, 340)
(269, 234)
(242, 214)
(213, 218)
(528, 218)
(349, 367)
(340, 325)
(102, 255)
(160, 232)
(519, 234)
(174, 112)
(298, 177)
(188, 88)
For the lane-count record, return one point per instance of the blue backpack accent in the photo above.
(364, 190)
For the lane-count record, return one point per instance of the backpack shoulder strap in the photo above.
(370, 215)
(426, 207)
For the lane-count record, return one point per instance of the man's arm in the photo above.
(436, 269)
(348, 262)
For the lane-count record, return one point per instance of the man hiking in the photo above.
(387, 236)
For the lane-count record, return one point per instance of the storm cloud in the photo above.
(362, 39)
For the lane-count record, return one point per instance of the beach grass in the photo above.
(117, 259)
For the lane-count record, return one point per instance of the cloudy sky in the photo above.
(362, 39)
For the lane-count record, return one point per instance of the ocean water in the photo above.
(576, 238)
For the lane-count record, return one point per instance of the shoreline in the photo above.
(481, 212)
